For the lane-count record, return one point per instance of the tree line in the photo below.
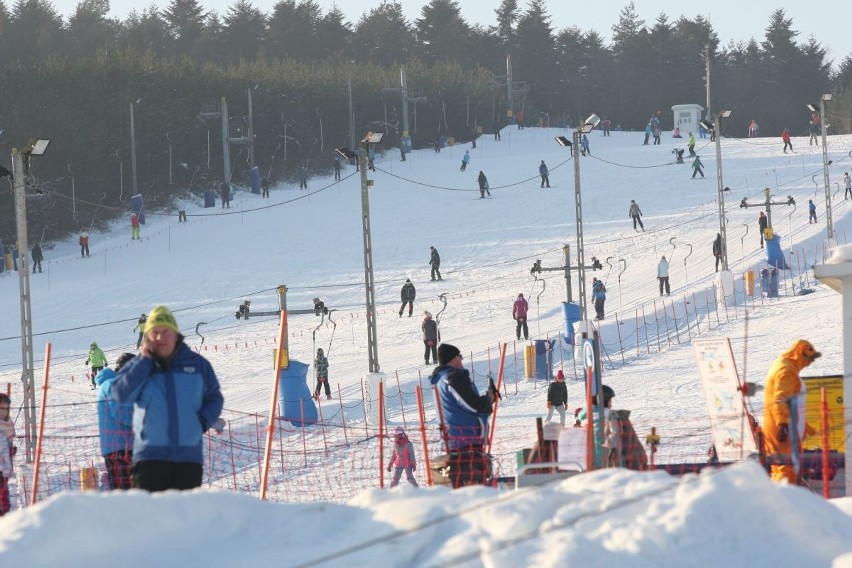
(73, 80)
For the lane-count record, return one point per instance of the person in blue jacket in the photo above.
(465, 413)
(812, 217)
(115, 427)
(176, 399)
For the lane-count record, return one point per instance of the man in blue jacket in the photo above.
(465, 416)
(176, 399)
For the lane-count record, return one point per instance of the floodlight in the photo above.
(564, 142)
(725, 113)
(37, 147)
(593, 120)
(707, 125)
(346, 153)
(826, 97)
(373, 137)
(812, 107)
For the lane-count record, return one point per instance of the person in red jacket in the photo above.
(84, 243)
(519, 314)
(134, 227)
(785, 136)
(402, 458)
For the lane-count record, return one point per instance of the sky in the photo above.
(732, 21)
(311, 241)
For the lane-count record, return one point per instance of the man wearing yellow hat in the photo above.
(176, 399)
(782, 385)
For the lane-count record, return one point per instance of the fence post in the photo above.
(422, 413)
(381, 435)
(342, 414)
(826, 452)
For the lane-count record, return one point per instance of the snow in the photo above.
(312, 242)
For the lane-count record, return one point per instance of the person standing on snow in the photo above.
(557, 397)
(140, 326)
(812, 218)
(753, 129)
(429, 327)
(135, 231)
(584, 146)
(717, 249)
(663, 275)
(697, 167)
(847, 182)
(435, 263)
(321, 367)
(337, 168)
(402, 458)
(635, 213)
(407, 295)
(483, 185)
(225, 194)
(545, 175)
(599, 297)
(648, 131)
(97, 359)
(785, 136)
(762, 224)
(783, 385)
(84, 243)
(115, 428)
(37, 257)
(303, 177)
(690, 143)
(465, 160)
(519, 314)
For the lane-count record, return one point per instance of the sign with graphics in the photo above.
(732, 434)
(813, 414)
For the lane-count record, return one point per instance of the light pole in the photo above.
(587, 126)
(133, 147)
(829, 217)
(717, 127)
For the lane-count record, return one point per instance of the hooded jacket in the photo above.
(465, 410)
(174, 403)
(403, 453)
(96, 357)
(408, 292)
(520, 308)
(115, 420)
(782, 384)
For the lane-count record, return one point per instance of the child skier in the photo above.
(402, 458)
(98, 361)
(321, 367)
(7, 452)
(599, 296)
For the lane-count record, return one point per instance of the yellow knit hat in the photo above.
(160, 316)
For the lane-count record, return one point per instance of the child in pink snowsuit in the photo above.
(7, 452)
(402, 458)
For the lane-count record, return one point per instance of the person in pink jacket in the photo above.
(402, 458)
(519, 314)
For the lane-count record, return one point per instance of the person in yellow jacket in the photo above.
(782, 384)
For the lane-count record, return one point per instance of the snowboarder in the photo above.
(545, 175)
(663, 275)
(84, 243)
(762, 224)
(483, 185)
(635, 213)
(429, 327)
(37, 257)
(690, 144)
(557, 397)
(140, 327)
(785, 136)
(465, 160)
(519, 314)
(584, 145)
(435, 263)
(303, 177)
(407, 294)
(134, 227)
(321, 367)
(812, 218)
(678, 152)
(599, 297)
(97, 359)
(402, 458)
(717, 249)
(697, 167)
(847, 182)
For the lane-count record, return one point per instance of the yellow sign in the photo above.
(285, 358)
(813, 412)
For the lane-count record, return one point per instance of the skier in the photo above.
(371, 157)
(656, 132)
(785, 136)
(97, 359)
(134, 227)
(663, 275)
(337, 168)
(690, 144)
(519, 314)
(813, 129)
(37, 257)
(762, 224)
(140, 326)
(584, 145)
(303, 177)
(599, 297)
(753, 129)
(717, 249)
(429, 327)
(545, 175)
(407, 295)
(648, 131)
(264, 185)
(225, 194)
(465, 160)
(402, 458)
(678, 152)
(84, 243)
(812, 218)
(557, 397)
(605, 125)
(847, 182)
(635, 213)
(697, 167)
(435, 263)
(483, 185)
(321, 366)
(496, 127)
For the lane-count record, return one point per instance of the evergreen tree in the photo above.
(334, 35)
(243, 30)
(89, 29)
(185, 22)
(34, 32)
(146, 32)
(507, 16)
(383, 36)
(442, 33)
(534, 58)
(292, 30)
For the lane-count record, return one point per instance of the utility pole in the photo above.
(566, 267)
(133, 149)
(226, 147)
(767, 204)
(707, 77)
(351, 118)
(406, 98)
(509, 101)
(578, 210)
(372, 335)
(250, 133)
(829, 217)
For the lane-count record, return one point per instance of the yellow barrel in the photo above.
(451, 140)
(529, 361)
(8, 259)
(89, 479)
(749, 282)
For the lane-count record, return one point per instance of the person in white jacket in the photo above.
(663, 276)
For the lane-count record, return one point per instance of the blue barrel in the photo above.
(543, 349)
(2, 258)
(209, 198)
(138, 203)
(254, 177)
(571, 314)
(774, 254)
(294, 396)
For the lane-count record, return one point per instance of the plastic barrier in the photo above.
(749, 282)
(529, 361)
(543, 348)
(254, 176)
(209, 198)
(295, 400)
(89, 479)
(571, 314)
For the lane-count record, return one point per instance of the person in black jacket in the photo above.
(717, 249)
(762, 223)
(429, 327)
(483, 185)
(435, 262)
(407, 295)
(557, 397)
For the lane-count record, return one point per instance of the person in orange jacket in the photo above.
(782, 385)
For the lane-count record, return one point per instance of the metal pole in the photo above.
(133, 149)
(707, 79)
(250, 131)
(27, 365)
(226, 145)
(566, 253)
(768, 205)
(372, 337)
(351, 120)
(829, 218)
(718, 127)
(403, 79)
(578, 204)
(509, 103)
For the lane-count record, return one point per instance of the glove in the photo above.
(783, 432)
(219, 426)
(389, 468)
(493, 389)
(87, 362)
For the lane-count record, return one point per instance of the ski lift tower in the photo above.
(405, 137)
